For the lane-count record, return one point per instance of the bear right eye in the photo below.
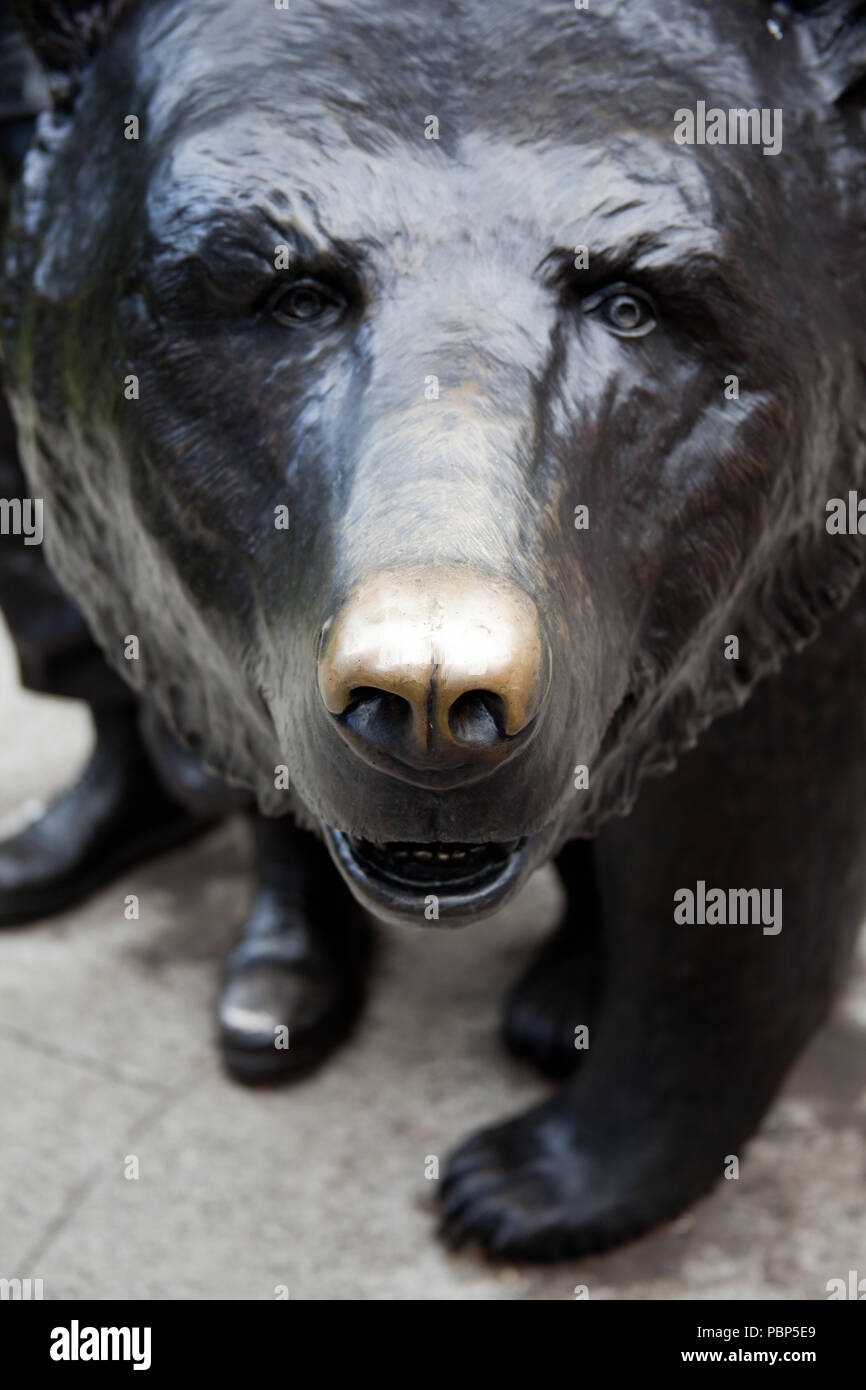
(624, 310)
(305, 302)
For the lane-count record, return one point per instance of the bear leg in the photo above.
(294, 984)
(550, 1011)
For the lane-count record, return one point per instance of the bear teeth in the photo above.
(435, 862)
(437, 849)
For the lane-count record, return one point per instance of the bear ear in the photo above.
(65, 35)
(835, 33)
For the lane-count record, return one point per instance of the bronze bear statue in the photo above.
(450, 401)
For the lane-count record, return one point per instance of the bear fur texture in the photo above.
(440, 281)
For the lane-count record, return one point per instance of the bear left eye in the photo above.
(304, 302)
(624, 310)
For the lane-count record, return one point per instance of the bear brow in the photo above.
(221, 235)
(658, 254)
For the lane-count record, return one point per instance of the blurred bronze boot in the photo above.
(294, 984)
(117, 814)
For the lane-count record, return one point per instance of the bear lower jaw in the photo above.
(435, 883)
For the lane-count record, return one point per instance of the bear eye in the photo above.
(624, 310)
(304, 302)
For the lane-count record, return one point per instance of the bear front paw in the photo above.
(528, 1189)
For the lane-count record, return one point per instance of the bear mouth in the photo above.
(431, 882)
(405, 863)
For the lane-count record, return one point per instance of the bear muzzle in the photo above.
(436, 677)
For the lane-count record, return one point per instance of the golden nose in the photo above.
(433, 667)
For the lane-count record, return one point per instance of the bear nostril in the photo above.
(477, 719)
(378, 715)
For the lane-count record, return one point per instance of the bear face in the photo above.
(282, 302)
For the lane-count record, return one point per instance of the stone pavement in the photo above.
(107, 1054)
